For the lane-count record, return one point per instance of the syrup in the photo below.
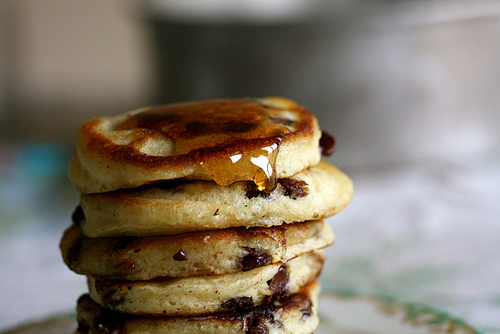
(241, 134)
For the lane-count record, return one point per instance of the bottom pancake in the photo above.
(207, 294)
(295, 314)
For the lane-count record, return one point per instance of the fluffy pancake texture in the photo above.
(203, 217)
(189, 140)
(214, 252)
(207, 294)
(294, 315)
(315, 193)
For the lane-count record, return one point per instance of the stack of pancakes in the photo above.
(203, 217)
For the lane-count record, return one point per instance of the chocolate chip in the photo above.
(257, 321)
(255, 259)
(327, 143)
(278, 283)
(180, 256)
(258, 326)
(294, 188)
(239, 303)
(291, 188)
(253, 192)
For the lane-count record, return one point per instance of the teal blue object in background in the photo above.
(41, 161)
(34, 188)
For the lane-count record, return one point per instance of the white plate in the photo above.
(370, 315)
(338, 314)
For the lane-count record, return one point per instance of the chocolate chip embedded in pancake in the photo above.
(295, 314)
(207, 294)
(312, 194)
(226, 141)
(214, 252)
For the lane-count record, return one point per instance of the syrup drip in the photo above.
(243, 136)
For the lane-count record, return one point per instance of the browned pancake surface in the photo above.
(295, 314)
(221, 140)
(214, 252)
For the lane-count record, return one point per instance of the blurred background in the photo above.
(410, 90)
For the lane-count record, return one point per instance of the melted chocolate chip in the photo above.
(253, 192)
(256, 323)
(294, 188)
(180, 256)
(327, 144)
(291, 188)
(278, 283)
(258, 326)
(255, 259)
(239, 303)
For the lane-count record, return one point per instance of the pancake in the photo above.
(296, 314)
(224, 141)
(312, 194)
(193, 254)
(207, 294)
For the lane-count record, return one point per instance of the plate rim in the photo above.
(415, 313)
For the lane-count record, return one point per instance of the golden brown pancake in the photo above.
(207, 294)
(296, 314)
(221, 140)
(214, 252)
(312, 194)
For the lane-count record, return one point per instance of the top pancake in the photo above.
(225, 141)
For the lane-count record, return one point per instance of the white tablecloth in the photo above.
(425, 232)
